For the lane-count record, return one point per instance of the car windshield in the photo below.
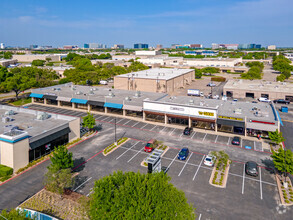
(148, 144)
(182, 153)
(208, 159)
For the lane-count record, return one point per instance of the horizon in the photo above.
(58, 23)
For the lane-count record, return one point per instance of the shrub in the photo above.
(281, 78)
(291, 200)
(221, 182)
(4, 178)
(287, 201)
(5, 170)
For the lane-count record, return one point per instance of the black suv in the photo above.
(282, 101)
(187, 131)
(251, 168)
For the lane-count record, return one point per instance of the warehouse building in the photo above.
(7, 62)
(31, 57)
(258, 88)
(243, 118)
(155, 80)
(26, 135)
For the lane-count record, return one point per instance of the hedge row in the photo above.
(112, 146)
(5, 170)
(218, 79)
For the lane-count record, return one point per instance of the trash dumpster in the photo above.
(284, 109)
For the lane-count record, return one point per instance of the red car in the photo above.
(149, 146)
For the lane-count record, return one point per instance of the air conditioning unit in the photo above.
(137, 94)
(78, 93)
(6, 119)
(10, 112)
(111, 94)
(191, 102)
(127, 98)
(42, 116)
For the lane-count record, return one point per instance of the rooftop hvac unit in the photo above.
(10, 112)
(137, 94)
(238, 111)
(111, 94)
(191, 102)
(78, 93)
(6, 119)
(91, 92)
(127, 98)
(201, 103)
(42, 116)
(73, 88)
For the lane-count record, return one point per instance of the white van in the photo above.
(262, 99)
(103, 82)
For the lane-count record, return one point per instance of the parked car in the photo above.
(209, 160)
(183, 153)
(282, 101)
(251, 168)
(236, 140)
(187, 131)
(149, 147)
(210, 84)
(262, 99)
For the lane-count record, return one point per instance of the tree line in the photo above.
(282, 64)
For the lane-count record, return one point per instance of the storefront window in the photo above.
(69, 104)
(203, 125)
(39, 100)
(155, 118)
(81, 106)
(115, 111)
(52, 102)
(133, 114)
(255, 133)
(98, 108)
(178, 121)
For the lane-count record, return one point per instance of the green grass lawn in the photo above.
(22, 102)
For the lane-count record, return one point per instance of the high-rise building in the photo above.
(249, 46)
(141, 46)
(95, 46)
(86, 46)
(118, 46)
(159, 47)
(195, 45)
(272, 47)
(2, 46)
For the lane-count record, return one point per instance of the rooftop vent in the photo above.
(91, 92)
(6, 119)
(137, 94)
(73, 88)
(111, 94)
(201, 103)
(57, 89)
(78, 93)
(127, 98)
(10, 112)
(42, 116)
(238, 111)
(191, 102)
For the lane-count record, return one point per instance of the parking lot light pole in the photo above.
(285, 183)
(115, 133)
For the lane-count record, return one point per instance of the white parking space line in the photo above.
(181, 135)
(243, 178)
(135, 124)
(228, 141)
(89, 192)
(127, 150)
(119, 120)
(143, 126)
(162, 129)
(111, 119)
(241, 143)
(135, 155)
(260, 184)
(153, 127)
(256, 180)
(172, 131)
(254, 144)
(185, 164)
(198, 168)
(127, 122)
(199, 217)
(82, 184)
(204, 137)
(172, 162)
(216, 138)
(193, 135)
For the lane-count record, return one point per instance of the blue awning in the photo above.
(79, 101)
(36, 95)
(113, 105)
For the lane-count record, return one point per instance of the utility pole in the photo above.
(285, 183)
(115, 133)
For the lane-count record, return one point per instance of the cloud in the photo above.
(40, 10)
(25, 19)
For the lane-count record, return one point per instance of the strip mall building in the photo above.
(221, 116)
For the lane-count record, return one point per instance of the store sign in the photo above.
(206, 113)
(177, 109)
(262, 122)
(230, 118)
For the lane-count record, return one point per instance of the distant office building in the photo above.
(173, 46)
(201, 52)
(159, 47)
(2, 46)
(86, 46)
(225, 46)
(272, 47)
(141, 46)
(118, 46)
(289, 56)
(195, 45)
(69, 47)
(148, 53)
(95, 46)
(249, 46)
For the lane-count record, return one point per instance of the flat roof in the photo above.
(157, 73)
(259, 85)
(213, 59)
(100, 94)
(26, 120)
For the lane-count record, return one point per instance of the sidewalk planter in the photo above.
(161, 147)
(219, 176)
(286, 194)
(113, 147)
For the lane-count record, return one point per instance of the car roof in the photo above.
(184, 149)
(251, 163)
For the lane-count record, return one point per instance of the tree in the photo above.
(281, 78)
(141, 196)
(38, 62)
(283, 160)
(7, 55)
(276, 137)
(89, 121)
(4, 74)
(253, 73)
(13, 215)
(58, 180)
(61, 159)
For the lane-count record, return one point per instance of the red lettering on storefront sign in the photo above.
(263, 122)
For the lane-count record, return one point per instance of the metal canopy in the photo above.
(51, 97)
(36, 95)
(113, 105)
(79, 101)
(96, 103)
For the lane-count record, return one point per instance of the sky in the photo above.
(166, 22)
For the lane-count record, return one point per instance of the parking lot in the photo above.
(192, 177)
(197, 136)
